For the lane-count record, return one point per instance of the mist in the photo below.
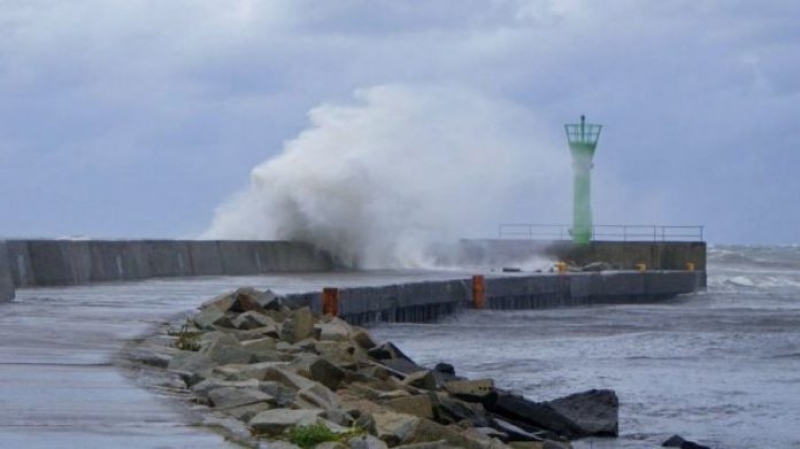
(398, 170)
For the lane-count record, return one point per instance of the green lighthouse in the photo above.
(582, 138)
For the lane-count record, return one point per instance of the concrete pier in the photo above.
(433, 300)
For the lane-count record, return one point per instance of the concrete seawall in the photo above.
(6, 281)
(34, 263)
(430, 301)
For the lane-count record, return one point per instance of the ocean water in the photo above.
(721, 367)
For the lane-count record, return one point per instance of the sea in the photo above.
(719, 367)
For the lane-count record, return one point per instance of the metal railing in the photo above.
(625, 233)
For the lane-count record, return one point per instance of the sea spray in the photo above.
(378, 181)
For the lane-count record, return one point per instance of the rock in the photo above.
(227, 351)
(547, 444)
(334, 330)
(225, 397)
(450, 410)
(429, 431)
(287, 378)
(421, 379)
(284, 395)
(366, 442)
(222, 303)
(330, 445)
(514, 432)
(413, 405)
(326, 373)
(248, 411)
(444, 372)
(266, 344)
(299, 327)
(678, 441)
(275, 422)
(318, 396)
(340, 353)
(255, 371)
(362, 339)
(246, 299)
(395, 428)
(203, 388)
(540, 415)
(252, 320)
(190, 362)
(429, 445)
(470, 390)
(210, 317)
(150, 357)
(270, 301)
(595, 412)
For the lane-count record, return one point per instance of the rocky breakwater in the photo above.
(277, 375)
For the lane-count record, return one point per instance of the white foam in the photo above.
(377, 181)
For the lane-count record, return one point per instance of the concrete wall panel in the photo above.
(204, 257)
(6, 279)
(19, 262)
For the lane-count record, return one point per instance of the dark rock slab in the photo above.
(595, 412)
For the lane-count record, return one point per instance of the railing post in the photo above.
(330, 301)
(478, 292)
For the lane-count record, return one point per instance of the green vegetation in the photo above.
(313, 434)
(187, 340)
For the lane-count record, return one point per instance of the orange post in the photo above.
(478, 292)
(330, 301)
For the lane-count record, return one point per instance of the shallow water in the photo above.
(720, 367)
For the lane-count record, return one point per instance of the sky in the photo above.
(147, 118)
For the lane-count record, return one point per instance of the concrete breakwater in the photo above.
(35, 263)
(6, 282)
(432, 300)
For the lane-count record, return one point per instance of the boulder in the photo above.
(203, 388)
(252, 320)
(225, 397)
(540, 415)
(221, 302)
(318, 396)
(326, 373)
(190, 362)
(275, 422)
(246, 299)
(678, 441)
(470, 390)
(264, 344)
(395, 428)
(366, 442)
(419, 405)
(341, 353)
(299, 327)
(595, 412)
(228, 351)
(255, 371)
(450, 410)
(363, 339)
(332, 331)
(211, 317)
(421, 379)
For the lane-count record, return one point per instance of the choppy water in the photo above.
(720, 367)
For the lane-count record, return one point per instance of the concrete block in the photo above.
(204, 258)
(239, 258)
(19, 262)
(58, 262)
(6, 280)
(122, 260)
(168, 258)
